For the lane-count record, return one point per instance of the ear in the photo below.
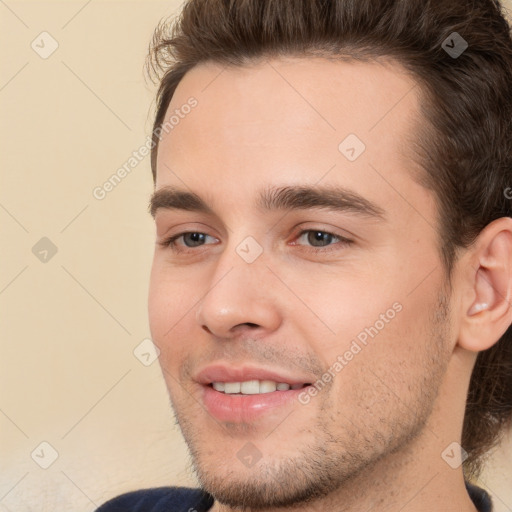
(487, 312)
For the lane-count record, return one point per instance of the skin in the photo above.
(373, 437)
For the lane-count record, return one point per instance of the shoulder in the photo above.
(160, 499)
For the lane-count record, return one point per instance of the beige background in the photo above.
(70, 324)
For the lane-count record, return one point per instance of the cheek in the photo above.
(169, 309)
(383, 331)
(158, 304)
(350, 309)
(397, 360)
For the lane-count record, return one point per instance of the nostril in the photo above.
(248, 324)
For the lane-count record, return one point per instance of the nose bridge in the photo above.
(238, 291)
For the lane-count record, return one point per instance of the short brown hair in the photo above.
(464, 145)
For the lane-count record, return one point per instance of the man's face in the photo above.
(278, 290)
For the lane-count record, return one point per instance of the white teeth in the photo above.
(219, 386)
(253, 387)
(267, 386)
(232, 387)
(250, 387)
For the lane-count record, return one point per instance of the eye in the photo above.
(319, 239)
(191, 239)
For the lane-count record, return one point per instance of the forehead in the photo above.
(287, 120)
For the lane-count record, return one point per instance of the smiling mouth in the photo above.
(254, 387)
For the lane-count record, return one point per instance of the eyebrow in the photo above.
(333, 198)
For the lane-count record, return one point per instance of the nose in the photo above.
(240, 298)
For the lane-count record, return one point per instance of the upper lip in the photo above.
(226, 373)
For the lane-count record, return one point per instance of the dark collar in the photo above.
(480, 498)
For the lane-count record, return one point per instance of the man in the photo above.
(331, 285)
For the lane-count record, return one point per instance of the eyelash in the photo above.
(170, 242)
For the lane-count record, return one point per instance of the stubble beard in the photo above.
(330, 461)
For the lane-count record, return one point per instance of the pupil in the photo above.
(196, 238)
(319, 236)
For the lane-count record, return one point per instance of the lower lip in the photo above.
(246, 408)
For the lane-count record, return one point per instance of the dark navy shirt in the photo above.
(181, 499)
